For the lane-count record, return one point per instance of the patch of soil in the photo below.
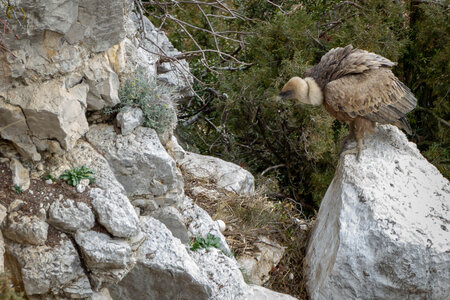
(41, 195)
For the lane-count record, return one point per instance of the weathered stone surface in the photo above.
(129, 119)
(382, 231)
(173, 220)
(199, 223)
(71, 216)
(103, 83)
(56, 270)
(115, 212)
(102, 252)
(174, 149)
(225, 278)
(139, 161)
(25, 229)
(84, 154)
(14, 128)
(52, 111)
(2, 242)
(258, 265)
(225, 174)
(100, 24)
(20, 175)
(256, 292)
(164, 269)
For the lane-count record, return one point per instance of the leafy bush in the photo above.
(201, 243)
(154, 100)
(75, 175)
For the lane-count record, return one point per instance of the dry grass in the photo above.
(249, 217)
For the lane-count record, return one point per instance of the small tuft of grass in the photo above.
(50, 176)
(7, 290)
(18, 189)
(75, 175)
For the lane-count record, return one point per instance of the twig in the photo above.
(272, 168)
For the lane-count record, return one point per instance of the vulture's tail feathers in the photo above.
(403, 124)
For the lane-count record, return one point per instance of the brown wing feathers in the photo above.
(360, 83)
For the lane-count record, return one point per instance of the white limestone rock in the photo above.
(256, 292)
(53, 111)
(257, 265)
(50, 270)
(14, 128)
(382, 231)
(84, 154)
(71, 216)
(225, 174)
(140, 162)
(103, 252)
(173, 220)
(20, 174)
(129, 119)
(115, 212)
(103, 83)
(164, 269)
(199, 223)
(2, 242)
(25, 229)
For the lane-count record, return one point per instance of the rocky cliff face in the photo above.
(382, 231)
(126, 237)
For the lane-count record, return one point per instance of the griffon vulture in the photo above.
(354, 86)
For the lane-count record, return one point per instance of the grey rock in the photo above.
(84, 154)
(71, 216)
(256, 292)
(164, 269)
(100, 24)
(15, 129)
(50, 270)
(382, 226)
(115, 212)
(25, 229)
(199, 223)
(173, 220)
(103, 83)
(226, 175)
(20, 175)
(257, 265)
(2, 242)
(102, 252)
(129, 119)
(139, 161)
(52, 111)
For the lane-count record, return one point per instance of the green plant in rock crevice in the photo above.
(154, 99)
(75, 175)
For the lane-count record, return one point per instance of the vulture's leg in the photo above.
(361, 127)
(347, 139)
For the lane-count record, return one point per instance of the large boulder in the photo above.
(49, 270)
(140, 162)
(223, 174)
(164, 269)
(382, 231)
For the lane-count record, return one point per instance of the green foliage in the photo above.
(201, 243)
(154, 100)
(73, 176)
(7, 292)
(49, 176)
(18, 189)
(250, 128)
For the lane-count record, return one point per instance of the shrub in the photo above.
(152, 98)
(74, 175)
(201, 243)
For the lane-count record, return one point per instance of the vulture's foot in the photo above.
(355, 150)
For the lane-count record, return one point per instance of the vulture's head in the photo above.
(304, 90)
